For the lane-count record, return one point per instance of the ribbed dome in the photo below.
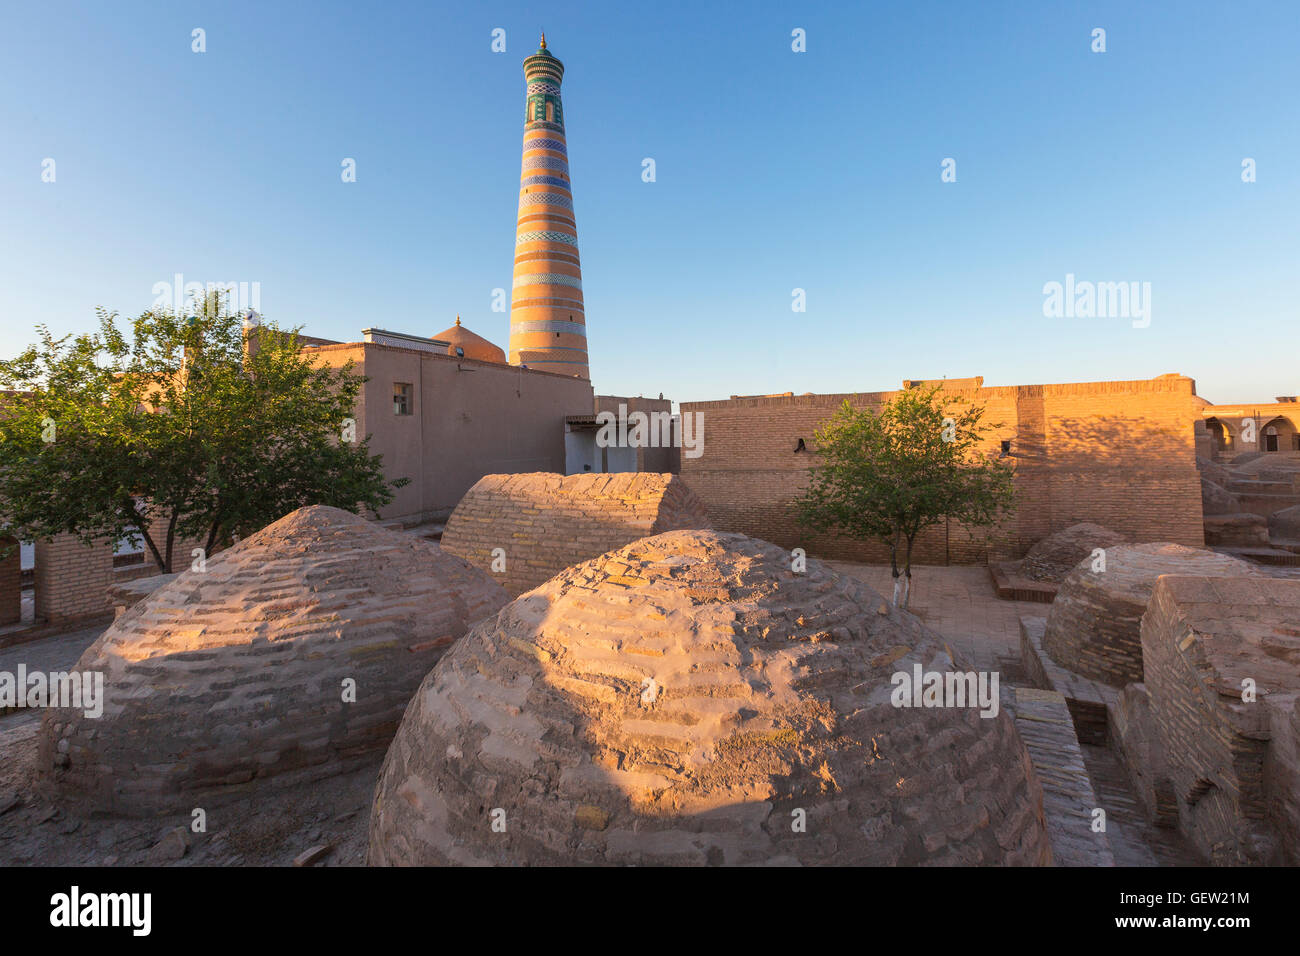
(474, 345)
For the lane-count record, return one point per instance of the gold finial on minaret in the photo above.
(458, 319)
(543, 46)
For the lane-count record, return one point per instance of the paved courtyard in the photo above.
(959, 603)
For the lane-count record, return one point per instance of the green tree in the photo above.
(175, 425)
(889, 475)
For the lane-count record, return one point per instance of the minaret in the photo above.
(548, 327)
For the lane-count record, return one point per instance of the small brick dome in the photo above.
(232, 678)
(474, 345)
(1094, 627)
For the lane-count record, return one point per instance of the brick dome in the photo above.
(232, 678)
(1054, 557)
(688, 699)
(1094, 627)
(474, 345)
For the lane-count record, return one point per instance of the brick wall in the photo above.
(545, 523)
(72, 580)
(11, 584)
(1233, 764)
(1119, 454)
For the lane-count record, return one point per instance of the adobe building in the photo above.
(1118, 454)
(1229, 430)
(444, 420)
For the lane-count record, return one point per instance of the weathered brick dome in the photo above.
(1095, 625)
(688, 699)
(232, 678)
(543, 523)
(1054, 557)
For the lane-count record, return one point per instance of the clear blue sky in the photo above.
(775, 170)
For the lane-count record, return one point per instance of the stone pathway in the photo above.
(959, 603)
(58, 653)
(1133, 840)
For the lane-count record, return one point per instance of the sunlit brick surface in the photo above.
(543, 523)
(680, 701)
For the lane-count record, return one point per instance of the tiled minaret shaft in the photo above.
(548, 329)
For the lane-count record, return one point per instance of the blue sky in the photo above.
(775, 170)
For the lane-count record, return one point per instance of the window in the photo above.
(401, 398)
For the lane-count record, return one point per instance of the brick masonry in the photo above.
(232, 679)
(545, 522)
(1094, 626)
(11, 583)
(686, 700)
(1118, 454)
(72, 580)
(1233, 763)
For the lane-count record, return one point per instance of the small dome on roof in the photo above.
(474, 346)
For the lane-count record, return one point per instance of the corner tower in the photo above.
(548, 328)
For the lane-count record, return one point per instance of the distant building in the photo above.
(1231, 430)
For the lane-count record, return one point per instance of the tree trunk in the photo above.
(142, 527)
(893, 565)
(171, 539)
(212, 538)
(907, 574)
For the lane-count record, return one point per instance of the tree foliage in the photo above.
(889, 475)
(171, 431)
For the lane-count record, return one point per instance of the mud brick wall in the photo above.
(546, 522)
(72, 580)
(1232, 764)
(1118, 454)
(11, 583)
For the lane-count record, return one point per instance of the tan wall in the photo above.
(72, 580)
(1120, 454)
(470, 419)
